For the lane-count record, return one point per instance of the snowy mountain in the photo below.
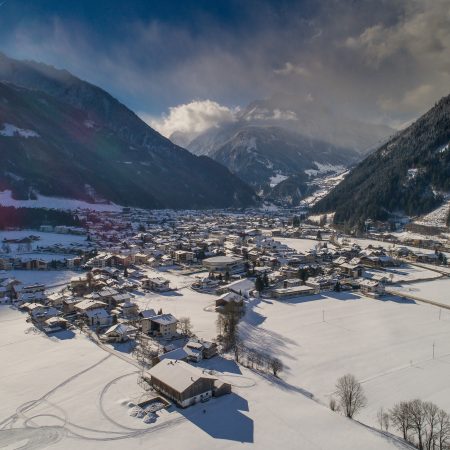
(268, 155)
(408, 175)
(61, 136)
(272, 140)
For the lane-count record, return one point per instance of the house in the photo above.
(194, 351)
(352, 270)
(107, 294)
(130, 309)
(372, 288)
(147, 313)
(181, 382)
(292, 282)
(41, 313)
(95, 312)
(157, 284)
(209, 349)
(164, 325)
(290, 292)
(321, 284)
(229, 298)
(98, 317)
(242, 287)
(80, 284)
(117, 333)
(32, 293)
(54, 324)
(140, 258)
(183, 256)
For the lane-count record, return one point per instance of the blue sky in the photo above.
(385, 61)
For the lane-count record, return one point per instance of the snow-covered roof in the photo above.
(177, 374)
(146, 314)
(118, 328)
(164, 319)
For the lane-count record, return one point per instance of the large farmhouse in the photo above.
(183, 383)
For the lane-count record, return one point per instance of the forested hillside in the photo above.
(406, 175)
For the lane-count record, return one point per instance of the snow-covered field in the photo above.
(301, 245)
(54, 203)
(45, 239)
(51, 278)
(437, 290)
(387, 344)
(65, 392)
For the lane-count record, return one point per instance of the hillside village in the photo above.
(169, 292)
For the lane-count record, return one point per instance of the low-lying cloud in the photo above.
(185, 122)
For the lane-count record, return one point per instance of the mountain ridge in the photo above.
(406, 175)
(87, 137)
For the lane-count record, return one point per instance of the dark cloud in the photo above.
(383, 61)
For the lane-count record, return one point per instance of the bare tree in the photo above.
(417, 414)
(276, 366)
(350, 394)
(185, 326)
(443, 430)
(431, 412)
(401, 419)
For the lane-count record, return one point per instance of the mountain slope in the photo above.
(308, 118)
(407, 174)
(267, 155)
(85, 144)
(283, 137)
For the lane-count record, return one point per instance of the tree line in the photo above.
(421, 424)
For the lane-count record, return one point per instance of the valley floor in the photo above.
(65, 391)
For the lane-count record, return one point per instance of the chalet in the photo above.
(107, 295)
(157, 284)
(68, 304)
(372, 288)
(54, 324)
(94, 311)
(80, 284)
(32, 293)
(242, 287)
(41, 313)
(321, 284)
(98, 317)
(164, 325)
(130, 309)
(117, 333)
(183, 383)
(229, 298)
(353, 270)
(147, 313)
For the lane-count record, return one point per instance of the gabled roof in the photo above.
(146, 314)
(177, 374)
(164, 319)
